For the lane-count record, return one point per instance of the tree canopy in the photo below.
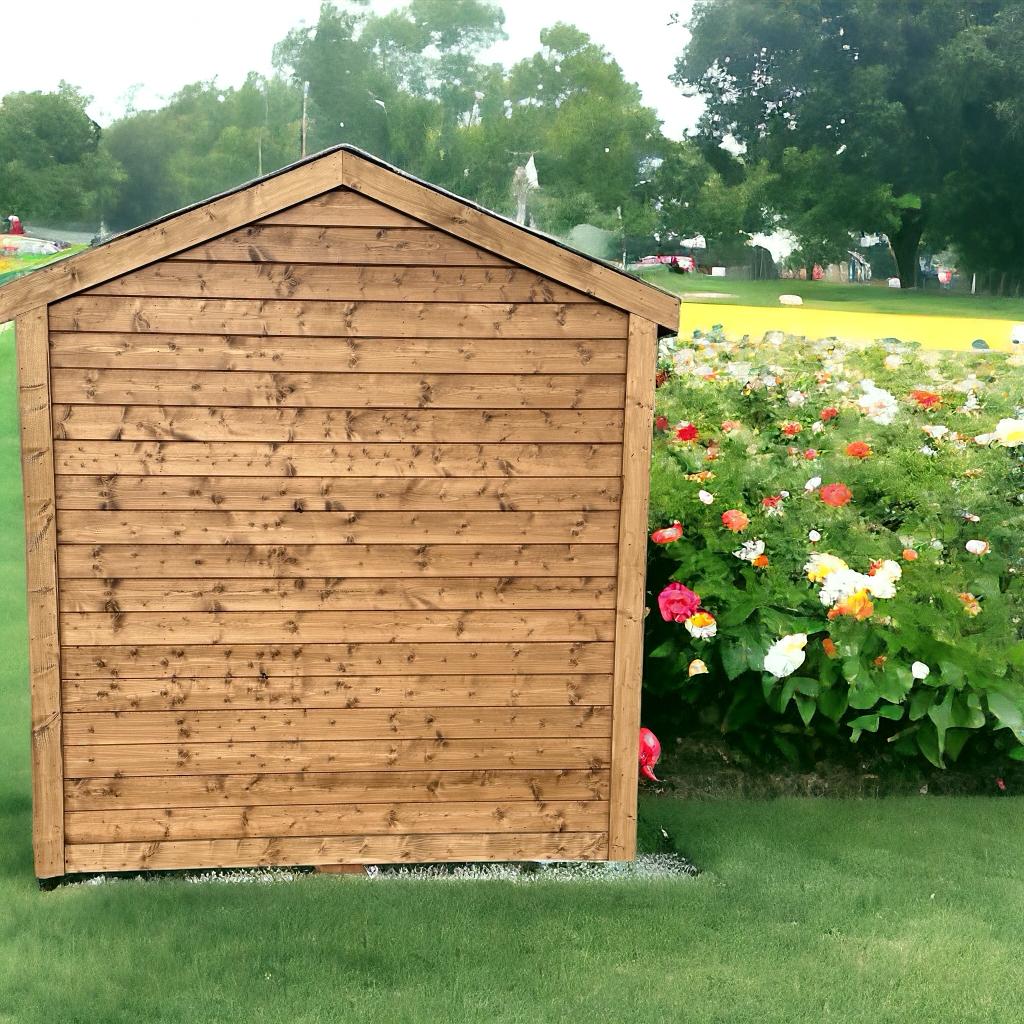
(861, 108)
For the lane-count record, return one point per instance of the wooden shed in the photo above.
(335, 501)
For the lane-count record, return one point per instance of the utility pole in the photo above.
(305, 109)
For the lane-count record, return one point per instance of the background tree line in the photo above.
(839, 117)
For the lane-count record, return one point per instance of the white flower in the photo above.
(813, 484)
(701, 625)
(841, 584)
(1009, 433)
(843, 387)
(821, 565)
(978, 547)
(817, 427)
(783, 494)
(937, 545)
(919, 670)
(706, 497)
(883, 581)
(796, 398)
(971, 404)
(893, 362)
(984, 438)
(936, 431)
(927, 450)
(813, 536)
(751, 549)
(785, 656)
(880, 406)
(971, 517)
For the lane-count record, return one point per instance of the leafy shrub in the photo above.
(852, 521)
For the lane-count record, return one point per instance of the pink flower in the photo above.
(677, 603)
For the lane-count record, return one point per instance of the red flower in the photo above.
(926, 399)
(661, 423)
(811, 454)
(836, 495)
(735, 520)
(668, 533)
(660, 377)
(790, 428)
(677, 603)
(772, 501)
(829, 414)
(687, 432)
(858, 450)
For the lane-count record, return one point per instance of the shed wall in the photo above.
(338, 546)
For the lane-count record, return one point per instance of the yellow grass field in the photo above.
(938, 332)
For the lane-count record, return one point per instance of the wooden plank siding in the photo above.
(340, 558)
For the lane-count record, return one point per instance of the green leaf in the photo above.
(663, 650)
(894, 712)
(833, 703)
(941, 715)
(908, 201)
(734, 659)
(920, 702)
(806, 706)
(1007, 712)
(928, 744)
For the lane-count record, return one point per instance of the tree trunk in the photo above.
(905, 242)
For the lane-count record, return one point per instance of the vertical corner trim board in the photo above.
(629, 616)
(32, 342)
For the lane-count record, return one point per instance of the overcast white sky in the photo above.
(107, 47)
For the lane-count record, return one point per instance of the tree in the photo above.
(864, 80)
(52, 168)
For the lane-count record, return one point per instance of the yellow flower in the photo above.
(857, 606)
(821, 565)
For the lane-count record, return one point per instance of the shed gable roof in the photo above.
(354, 169)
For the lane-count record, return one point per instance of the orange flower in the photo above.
(829, 414)
(735, 520)
(836, 495)
(880, 661)
(857, 606)
(858, 450)
(926, 399)
(667, 534)
(909, 555)
(971, 604)
(761, 562)
(790, 428)
(730, 425)
(830, 647)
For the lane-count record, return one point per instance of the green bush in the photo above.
(918, 641)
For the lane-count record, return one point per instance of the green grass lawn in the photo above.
(902, 910)
(870, 298)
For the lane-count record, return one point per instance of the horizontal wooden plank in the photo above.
(342, 207)
(86, 629)
(341, 458)
(116, 561)
(326, 594)
(481, 227)
(336, 494)
(288, 724)
(239, 692)
(211, 423)
(448, 527)
(395, 819)
(326, 756)
(292, 661)
(299, 789)
(370, 319)
(359, 245)
(326, 355)
(227, 853)
(201, 278)
(339, 390)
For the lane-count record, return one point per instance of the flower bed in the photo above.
(837, 545)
